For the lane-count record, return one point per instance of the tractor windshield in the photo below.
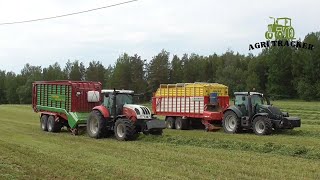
(124, 99)
(284, 22)
(257, 99)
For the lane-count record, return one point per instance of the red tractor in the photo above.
(120, 115)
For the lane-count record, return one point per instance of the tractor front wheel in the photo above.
(125, 130)
(279, 35)
(269, 35)
(262, 126)
(96, 125)
(231, 123)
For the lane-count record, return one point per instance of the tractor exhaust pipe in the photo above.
(249, 107)
(114, 105)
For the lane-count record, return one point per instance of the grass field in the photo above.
(26, 152)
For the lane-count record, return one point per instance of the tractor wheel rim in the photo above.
(120, 130)
(230, 123)
(260, 127)
(94, 126)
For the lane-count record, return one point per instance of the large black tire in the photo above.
(182, 124)
(170, 123)
(262, 126)
(231, 123)
(96, 125)
(125, 130)
(53, 125)
(44, 122)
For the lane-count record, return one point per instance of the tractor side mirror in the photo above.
(243, 98)
(106, 95)
(268, 100)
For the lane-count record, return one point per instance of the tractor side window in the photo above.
(240, 100)
(109, 101)
(282, 22)
(105, 101)
(124, 99)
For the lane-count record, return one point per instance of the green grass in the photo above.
(26, 152)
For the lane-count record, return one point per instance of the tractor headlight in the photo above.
(278, 116)
(285, 114)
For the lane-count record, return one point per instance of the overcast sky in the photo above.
(144, 27)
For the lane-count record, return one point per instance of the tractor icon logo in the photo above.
(280, 29)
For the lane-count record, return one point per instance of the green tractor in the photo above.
(251, 110)
(280, 29)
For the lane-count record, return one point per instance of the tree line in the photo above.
(280, 72)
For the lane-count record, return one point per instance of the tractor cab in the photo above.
(252, 110)
(120, 103)
(118, 98)
(286, 22)
(257, 101)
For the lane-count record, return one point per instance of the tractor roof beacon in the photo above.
(252, 110)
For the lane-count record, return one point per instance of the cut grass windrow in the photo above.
(311, 122)
(268, 147)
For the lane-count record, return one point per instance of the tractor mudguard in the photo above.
(260, 114)
(103, 110)
(235, 110)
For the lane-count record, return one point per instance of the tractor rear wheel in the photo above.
(125, 130)
(96, 125)
(231, 123)
(170, 123)
(262, 125)
(268, 35)
(53, 125)
(182, 124)
(44, 122)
